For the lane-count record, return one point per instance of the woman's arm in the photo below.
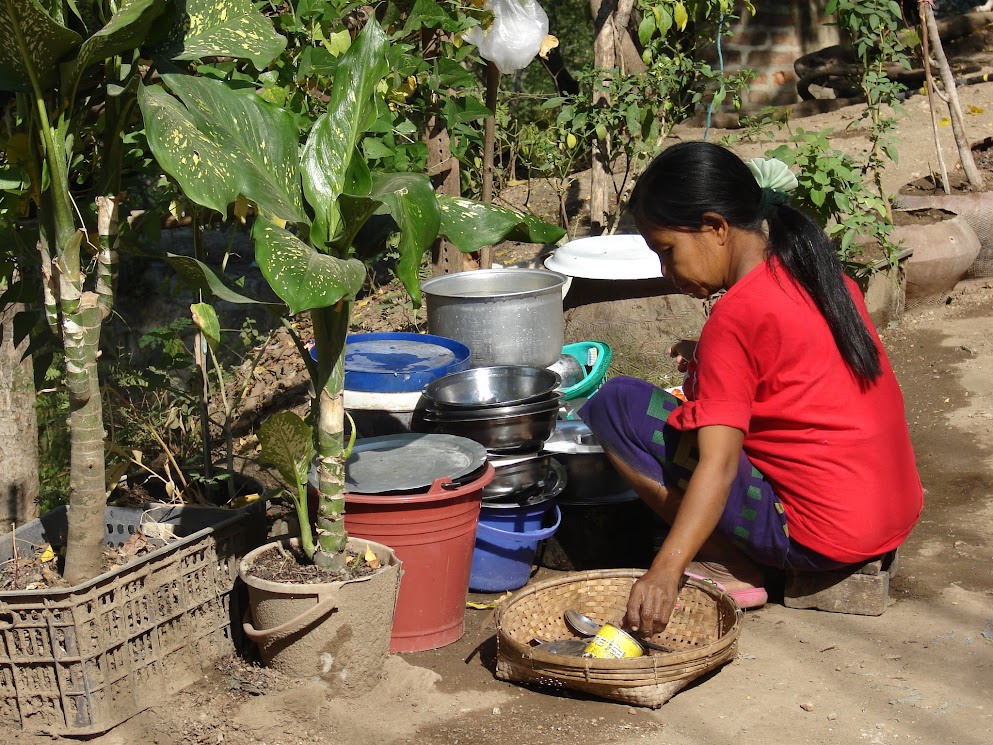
(653, 596)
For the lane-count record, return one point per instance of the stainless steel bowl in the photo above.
(484, 387)
(546, 402)
(521, 432)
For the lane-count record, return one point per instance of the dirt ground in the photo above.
(920, 673)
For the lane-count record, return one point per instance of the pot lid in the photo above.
(396, 362)
(606, 257)
(410, 461)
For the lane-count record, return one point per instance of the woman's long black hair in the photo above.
(692, 178)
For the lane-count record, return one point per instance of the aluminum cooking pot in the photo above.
(504, 316)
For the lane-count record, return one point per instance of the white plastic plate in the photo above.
(606, 257)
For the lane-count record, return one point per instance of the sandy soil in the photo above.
(920, 673)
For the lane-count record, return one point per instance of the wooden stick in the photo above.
(954, 109)
(929, 77)
(492, 87)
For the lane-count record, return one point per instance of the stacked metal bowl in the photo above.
(506, 408)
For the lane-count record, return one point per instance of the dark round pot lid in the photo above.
(410, 461)
(529, 495)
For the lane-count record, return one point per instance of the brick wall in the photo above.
(770, 41)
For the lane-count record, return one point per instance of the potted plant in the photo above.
(222, 143)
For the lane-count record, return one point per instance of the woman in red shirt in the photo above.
(792, 449)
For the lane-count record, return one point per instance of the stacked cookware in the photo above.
(511, 410)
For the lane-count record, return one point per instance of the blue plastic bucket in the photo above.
(502, 559)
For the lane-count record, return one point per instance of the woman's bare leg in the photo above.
(718, 558)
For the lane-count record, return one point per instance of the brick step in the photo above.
(862, 589)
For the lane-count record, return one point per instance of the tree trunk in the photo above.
(601, 180)
(443, 168)
(87, 498)
(19, 485)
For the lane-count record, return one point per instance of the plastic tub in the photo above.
(399, 362)
(433, 534)
(595, 357)
(502, 559)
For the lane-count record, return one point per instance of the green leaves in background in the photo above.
(198, 276)
(471, 225)
(220, 143)
(414, 207)
(205, 317)
(303, 277)
(223, 28)
(127, 30)
(45, 41)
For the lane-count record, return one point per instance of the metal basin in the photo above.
(590, 476)
(520, 432)
(439, 413)
(504, 316)
(494, 386)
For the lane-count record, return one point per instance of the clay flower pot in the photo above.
(943, 252)
(976, 208)
(337, 631)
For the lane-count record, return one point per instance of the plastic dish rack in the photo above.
(80, 660)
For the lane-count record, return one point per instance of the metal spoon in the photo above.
(586, 626)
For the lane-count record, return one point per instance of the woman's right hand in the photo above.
(651, 602)
(682, 351)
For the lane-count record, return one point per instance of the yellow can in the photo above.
(613, 644)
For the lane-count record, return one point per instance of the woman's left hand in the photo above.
(651, 601)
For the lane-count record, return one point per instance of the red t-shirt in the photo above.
(839, 457)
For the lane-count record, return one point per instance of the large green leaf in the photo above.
(45, 41)
(303, 277)
(472, 225)
(287, 442)
(224, 143)
(127, 29)
(414, 207)
(198, 276)
(332, 141)
(223, 28)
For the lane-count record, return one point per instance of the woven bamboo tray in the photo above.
(703, 630)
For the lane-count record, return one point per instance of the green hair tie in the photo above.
(770, 199)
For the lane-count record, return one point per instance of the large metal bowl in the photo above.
(440, 413)
(484, 387)
(521, 432)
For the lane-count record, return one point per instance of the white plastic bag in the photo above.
(519, 27)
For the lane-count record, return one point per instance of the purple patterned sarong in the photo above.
(629, 418)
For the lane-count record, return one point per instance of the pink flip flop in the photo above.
(748, 597)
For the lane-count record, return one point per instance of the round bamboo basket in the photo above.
(703, 631)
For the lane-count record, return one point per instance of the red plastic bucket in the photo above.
(433, 535)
